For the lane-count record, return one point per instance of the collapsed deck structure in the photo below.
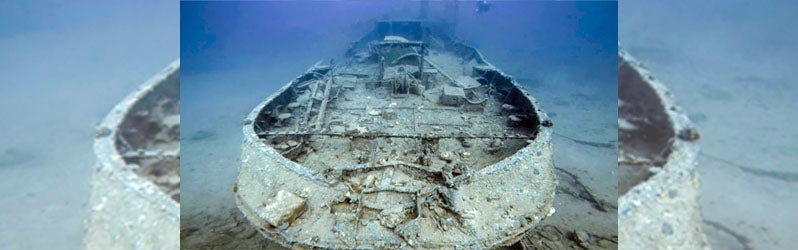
(414, 141)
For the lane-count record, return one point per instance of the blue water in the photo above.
(234, 55)
(63, 66)
(731, 66)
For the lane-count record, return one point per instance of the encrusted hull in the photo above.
(659, 190)
(134, 197)
(396, 170)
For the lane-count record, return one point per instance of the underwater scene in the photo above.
(389, 124)
(397, 125)
(64, 67)
(729, 66)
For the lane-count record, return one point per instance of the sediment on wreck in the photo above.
(135, 187)
(414, 141)
(658, 181)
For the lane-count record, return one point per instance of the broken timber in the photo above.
(324, 100)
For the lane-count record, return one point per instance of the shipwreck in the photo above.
(415, 140)
(658, 184)
(135, 186)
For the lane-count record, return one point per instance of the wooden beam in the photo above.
(310, 104)
(320, 117)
